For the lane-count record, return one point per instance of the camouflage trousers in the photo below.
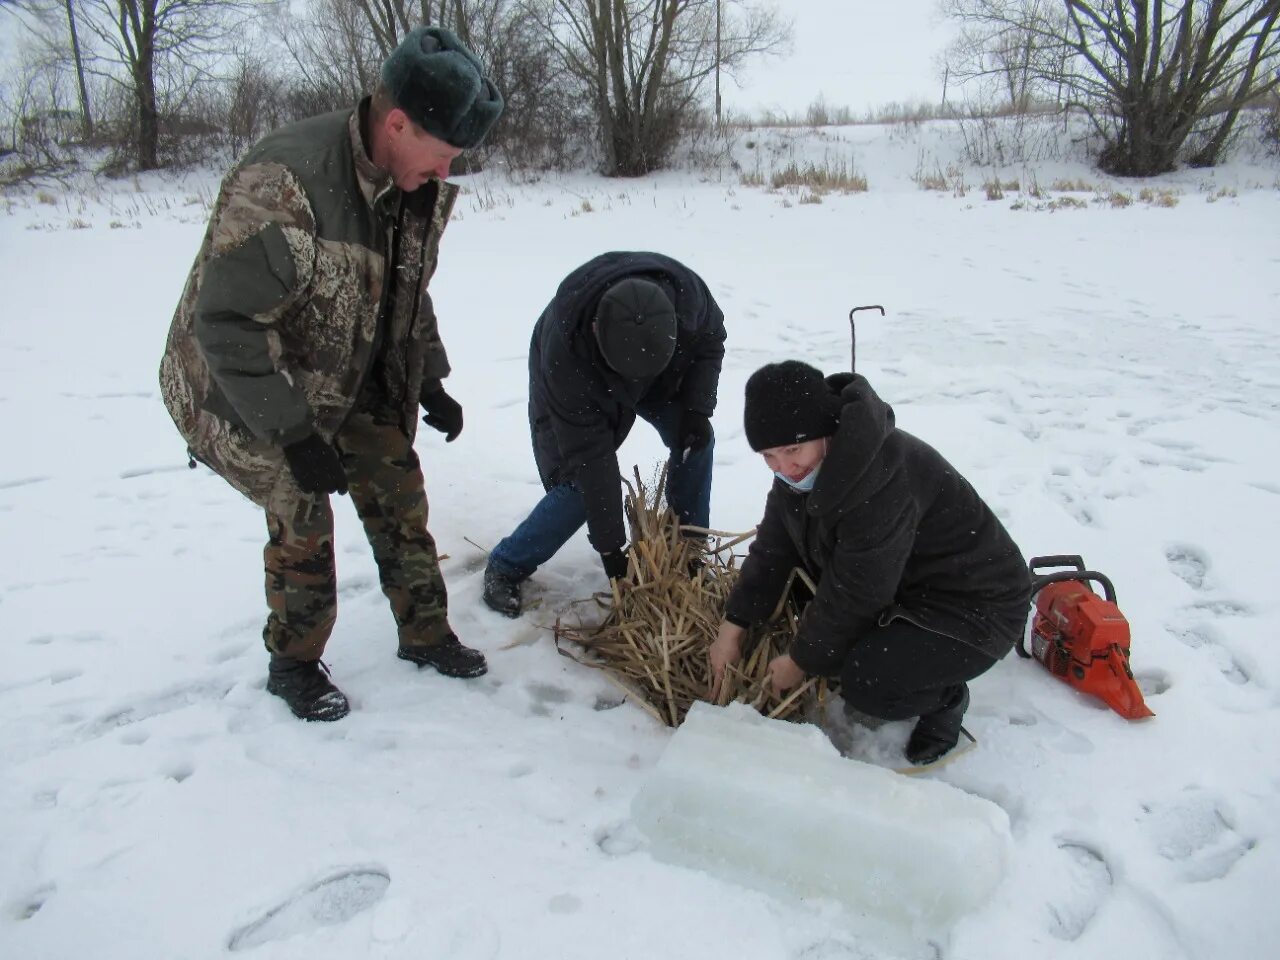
(386, 486)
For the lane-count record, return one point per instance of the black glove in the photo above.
(695, 433)
(615, 564)
(443, 413)
(316, 465)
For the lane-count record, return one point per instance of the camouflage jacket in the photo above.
(289, 300)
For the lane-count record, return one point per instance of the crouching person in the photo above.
(919, 587)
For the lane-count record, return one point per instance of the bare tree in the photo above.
(163, 45)
(86, 115)
(643, 63)
(40, 18)
(337, 48)
(1018, 53)
(333, 49)
(33, 109)
(1158, 79)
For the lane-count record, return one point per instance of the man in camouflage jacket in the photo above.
(305, 341)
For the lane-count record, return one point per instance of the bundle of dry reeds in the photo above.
(658, 623)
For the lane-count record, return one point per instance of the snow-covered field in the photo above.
(1107, 377)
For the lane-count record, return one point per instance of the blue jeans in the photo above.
(562, 511)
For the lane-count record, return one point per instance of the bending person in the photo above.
(627, 334)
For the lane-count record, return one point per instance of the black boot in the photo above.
(448, 656)
(937, 733)
(697, 562)
(305, 686)
(501, 593)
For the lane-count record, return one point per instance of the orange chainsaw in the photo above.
(1080, 637)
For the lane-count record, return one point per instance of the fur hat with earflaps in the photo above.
(441, 85)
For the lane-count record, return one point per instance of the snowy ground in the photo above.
(1107, 377)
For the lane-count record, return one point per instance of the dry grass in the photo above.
(951, 179)
(659, 623)
(932, 181)
(1159, 197)
(995, 187)
(937, 179)
(830, 176)
(1073, 186)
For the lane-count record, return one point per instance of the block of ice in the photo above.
(773, 805)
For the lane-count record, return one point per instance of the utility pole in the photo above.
(718, 2)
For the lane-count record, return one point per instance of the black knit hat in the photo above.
(441, 85)
(636, 328)
(788, 403)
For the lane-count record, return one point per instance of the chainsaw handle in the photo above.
(1042, 581)
(1057, 560)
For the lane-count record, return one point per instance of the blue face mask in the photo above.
(804, 485)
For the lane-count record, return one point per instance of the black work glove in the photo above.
(316, 465)
(615, 564)
(443, 413)
(695, 433)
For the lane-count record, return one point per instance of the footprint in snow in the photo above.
(1082, 880)
(325, 903)
(1222, 608)
(564, 903)
(1070, 501)
(1202, 636)
(1152, 683)
(1194, 831)
(143, 708)
(545, 697)
(619, 839)
(22, 482)
(80, 636)
(28, 905)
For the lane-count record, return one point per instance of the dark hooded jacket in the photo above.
(891, 530)
(580, 410)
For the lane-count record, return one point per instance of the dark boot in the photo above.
(501, 593)
(698, 549)
(448, 656)
(305, 686)
(937, 733)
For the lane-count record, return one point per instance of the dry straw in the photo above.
(659, 622)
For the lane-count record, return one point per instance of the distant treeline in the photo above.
(616, 84)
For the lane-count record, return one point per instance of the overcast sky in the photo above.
(856, 53)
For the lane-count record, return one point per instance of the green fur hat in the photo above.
(441, 85)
